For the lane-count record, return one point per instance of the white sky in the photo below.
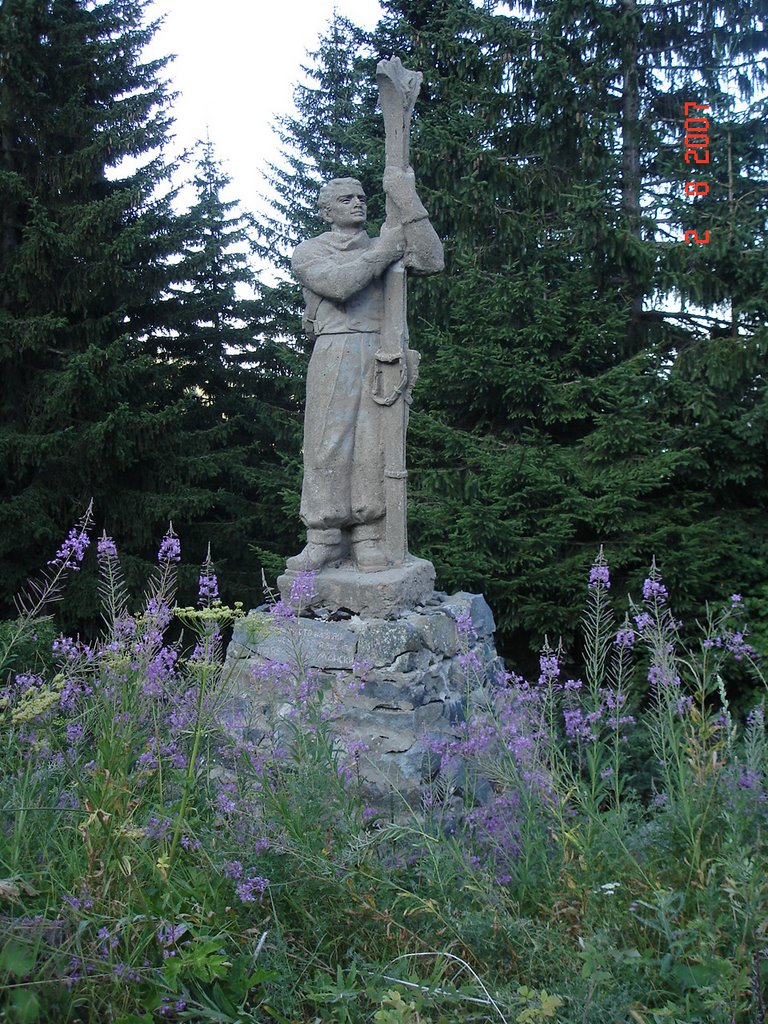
(237, 62)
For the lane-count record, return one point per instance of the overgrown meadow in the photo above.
(159, 863)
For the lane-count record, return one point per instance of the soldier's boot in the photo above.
(323, 547)
(367, 546)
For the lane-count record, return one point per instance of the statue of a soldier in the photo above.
(343, 273)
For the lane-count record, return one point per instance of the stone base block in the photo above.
(382, 594)
(389, 685)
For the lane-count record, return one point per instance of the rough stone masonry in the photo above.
(401, 682)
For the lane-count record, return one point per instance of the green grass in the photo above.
(156, 864)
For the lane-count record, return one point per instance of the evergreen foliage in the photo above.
(241, 385)
(576, 386)
(130, 372)
(87, 408)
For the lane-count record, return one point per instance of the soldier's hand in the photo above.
(400, 185)
(393, 240)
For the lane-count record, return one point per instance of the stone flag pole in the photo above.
(396, 365)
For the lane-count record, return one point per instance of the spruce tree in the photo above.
(83, 408)
(95, 402)
(243, 412)
(563, 402)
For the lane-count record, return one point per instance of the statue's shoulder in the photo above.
(313, 246)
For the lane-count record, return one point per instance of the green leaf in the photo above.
(17, 960)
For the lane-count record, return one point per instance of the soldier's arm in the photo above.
(424, 250)
(319, 268)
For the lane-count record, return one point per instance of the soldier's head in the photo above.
(342, 203)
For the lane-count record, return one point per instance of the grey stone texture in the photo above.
(391, 684)
(353, 499)
(373, 594)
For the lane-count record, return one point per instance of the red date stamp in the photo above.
(696, 152)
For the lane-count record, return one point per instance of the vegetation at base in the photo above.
(161, 859)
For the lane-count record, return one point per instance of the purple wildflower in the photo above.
(738, 647)
(736, 599)
(207, 588)
(303, 587)
(74, 732)
(756, 717)
(750, 779)
(470, 662)
(158, 828)
(159, 672)
(581, 726)
(683, 706)
(658, 677)
(169, 934)
(233, 870)
(282, 612)
(643, 621)
(106, 548)
(599, 577)
(170, 548)
(247, 889)
(654, 590)
(464, 626)
(625, 637)
(72, 550)
(126, 973)
(550, 669)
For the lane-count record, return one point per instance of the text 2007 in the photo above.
(696, 152)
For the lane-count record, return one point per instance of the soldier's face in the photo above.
(347, 209)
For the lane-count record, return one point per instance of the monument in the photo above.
(409, 661)
(360, 379)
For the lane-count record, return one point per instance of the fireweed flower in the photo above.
(737, 646)
(106, 548)
(643, 621)
(658, 677)
(282, 612)
(207, 588)
(72, 551)
(625, 637)
(465, 628)
(303, 587)
(159, 672)
(550, 669)
(470, 662)
(683, 706)
(654, 590)
(599, 577)
(170, 548)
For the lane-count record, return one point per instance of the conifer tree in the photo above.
(563, 402)
(84, 408)
(240, 384)
(111, 388)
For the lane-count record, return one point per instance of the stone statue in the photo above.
(361, 372)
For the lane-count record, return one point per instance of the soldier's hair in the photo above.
(334, 187)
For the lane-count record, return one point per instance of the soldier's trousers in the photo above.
(343, 445)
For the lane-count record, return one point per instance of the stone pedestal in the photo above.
(383, 594)
(392, 683)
